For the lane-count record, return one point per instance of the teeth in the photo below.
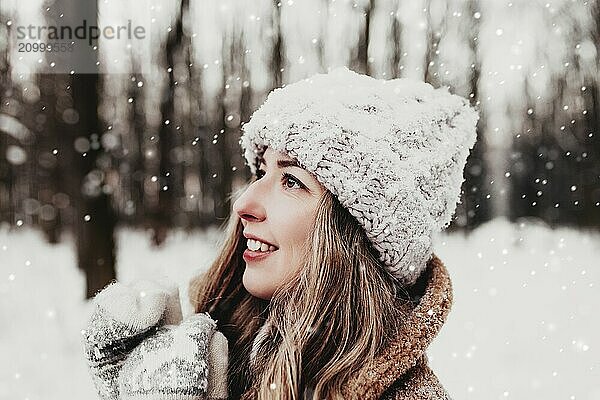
(256, 245)
(253, 245)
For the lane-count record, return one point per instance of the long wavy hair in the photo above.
(335, 313)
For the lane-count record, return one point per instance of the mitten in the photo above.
(122, 317)
(188, 362)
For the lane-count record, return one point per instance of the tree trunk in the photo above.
(93, 218)
(95, 221)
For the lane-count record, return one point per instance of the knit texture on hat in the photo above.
(392, 152)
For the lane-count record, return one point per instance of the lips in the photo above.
(251, 256)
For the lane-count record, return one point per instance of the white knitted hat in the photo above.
(392, 152)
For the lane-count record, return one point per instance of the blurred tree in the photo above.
(361, 62)
(49, 219)
(134, 147)
(433, 35)
(395, 43)
(226, 125)
(474, 207)
(278, 49)
(78, 128)
(170, 179)
(6, 212)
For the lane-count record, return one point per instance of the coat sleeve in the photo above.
(418, 383)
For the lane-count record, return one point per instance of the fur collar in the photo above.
(424, 321)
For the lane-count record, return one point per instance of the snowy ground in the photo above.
(522, 324)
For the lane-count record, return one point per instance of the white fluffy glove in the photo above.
(188, 362)
(122, 317)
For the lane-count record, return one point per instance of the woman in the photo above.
(326, 285)
(352, 176)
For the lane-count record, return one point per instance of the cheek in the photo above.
(294, 229)
(293, 234)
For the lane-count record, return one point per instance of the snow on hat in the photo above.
(392, 152)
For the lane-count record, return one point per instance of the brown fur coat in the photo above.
(401, 371)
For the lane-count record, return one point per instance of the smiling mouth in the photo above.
(257, 250)
(258, 246)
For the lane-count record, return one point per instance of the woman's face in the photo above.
(278, 209)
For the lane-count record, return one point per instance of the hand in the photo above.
(123, 316)
(188, 361)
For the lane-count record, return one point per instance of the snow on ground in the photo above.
(42, 310)
(521, 327)
(525, 314)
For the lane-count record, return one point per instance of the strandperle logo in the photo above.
(90, 33)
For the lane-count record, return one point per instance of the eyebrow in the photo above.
(287, 163)
(284, 163)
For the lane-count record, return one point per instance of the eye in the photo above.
(287, 179)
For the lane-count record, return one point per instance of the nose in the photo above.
(249, 205)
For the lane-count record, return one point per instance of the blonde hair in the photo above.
(334, 314)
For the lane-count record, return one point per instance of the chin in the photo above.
(255, 285)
